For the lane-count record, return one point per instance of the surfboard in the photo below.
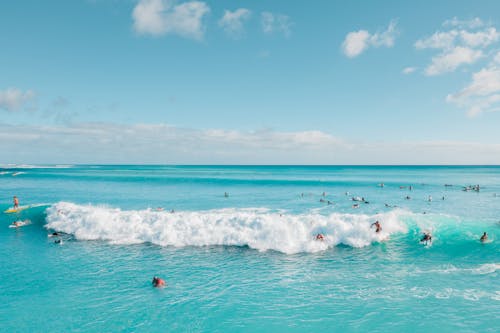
(16, 210)
(18, 224)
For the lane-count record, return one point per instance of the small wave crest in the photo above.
(258, 228)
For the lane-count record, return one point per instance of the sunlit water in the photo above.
(249, 261)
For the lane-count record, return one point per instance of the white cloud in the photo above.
(232, 22)
(356, 42)
(13, 99)
(408, 70)
(439, 40)
(276, 23)
(466, 43)
(450, 60)
(480, 38)
(160, 17)
(458, 46)
(471, 24)
(482, 94)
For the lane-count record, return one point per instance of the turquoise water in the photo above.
(249, 262)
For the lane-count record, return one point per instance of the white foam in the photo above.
(257, 228)
(30, 166)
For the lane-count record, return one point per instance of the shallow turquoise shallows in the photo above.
(238, 248)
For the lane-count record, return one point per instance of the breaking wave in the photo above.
(258, 228)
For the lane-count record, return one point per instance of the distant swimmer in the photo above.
(322, 200)
(430, 198)
(226, 195)
(16, 202)
(320, 237)
(426, 238)
(159, 209)
(411, 188)
(347, 193)
(378, 227)
(407, 197)
(158, 282)
(324, 194)
(484, 237)
(355, 206)
(443, 197)
(329, 202)
(381, 185)
(172, 211)
(58, 241)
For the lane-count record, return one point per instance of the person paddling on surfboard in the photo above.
(16, 202)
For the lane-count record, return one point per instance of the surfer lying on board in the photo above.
(158, 282)
(378, 227)
(16, 202)
(426, 238)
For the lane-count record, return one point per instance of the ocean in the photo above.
(238, 248)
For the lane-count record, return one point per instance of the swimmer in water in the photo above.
(355, 206)
(320, 237)
(426, 238)
(378, 227)
(158, 282)
(484, 237)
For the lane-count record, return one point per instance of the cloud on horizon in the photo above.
(165, 144)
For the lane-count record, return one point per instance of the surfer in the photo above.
(426, 238)
(16, 202)
(158, 282)
(378, 227)
(320, 237)
(484, 237)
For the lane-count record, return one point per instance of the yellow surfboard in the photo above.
(17, 210)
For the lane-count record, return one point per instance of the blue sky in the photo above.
(250, 82)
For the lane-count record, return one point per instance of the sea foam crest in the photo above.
(260, 229)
